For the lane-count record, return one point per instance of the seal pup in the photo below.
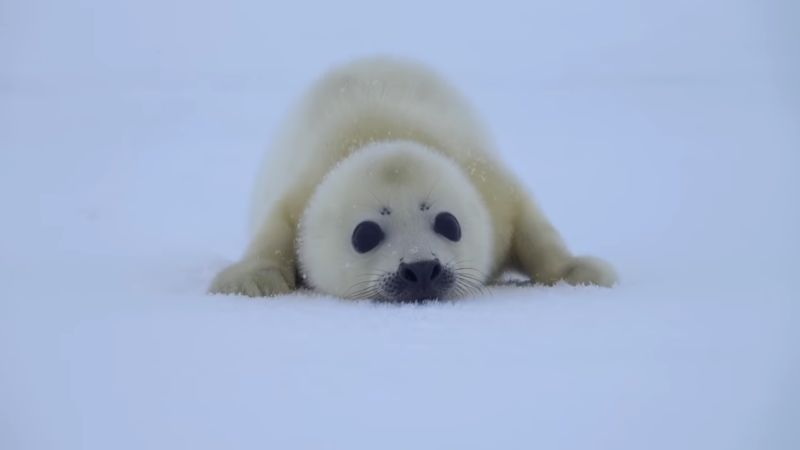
(383, 183)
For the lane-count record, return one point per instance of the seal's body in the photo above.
(383, 183)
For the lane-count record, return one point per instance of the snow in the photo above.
(660, 135)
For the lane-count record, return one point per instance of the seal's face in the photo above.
(396, 222)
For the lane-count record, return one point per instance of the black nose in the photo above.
(420, 274)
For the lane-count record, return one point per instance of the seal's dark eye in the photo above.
(367, 236)
(447, 225)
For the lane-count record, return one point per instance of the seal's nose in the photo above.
(421, 274)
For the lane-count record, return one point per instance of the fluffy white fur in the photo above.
(389, 140)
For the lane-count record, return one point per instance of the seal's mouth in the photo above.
(416, 282)
(420, 283)
(418, 298)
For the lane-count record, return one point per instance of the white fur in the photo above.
(383, 131)
(413, 184)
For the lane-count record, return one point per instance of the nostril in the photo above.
(408, 275)
(422, 273)
(437, 270)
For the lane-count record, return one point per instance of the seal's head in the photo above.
(396, 222)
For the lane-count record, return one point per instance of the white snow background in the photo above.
(662, 135)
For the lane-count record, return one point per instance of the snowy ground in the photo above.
(660, 135)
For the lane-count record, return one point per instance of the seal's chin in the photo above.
(419, 296)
